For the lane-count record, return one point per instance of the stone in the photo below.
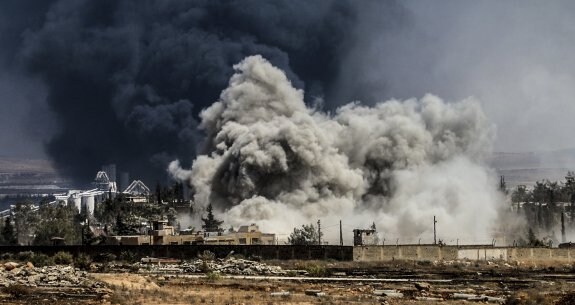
(10, 265)
(29, 265)
(422, 286)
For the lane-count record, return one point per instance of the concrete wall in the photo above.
(433, 253)
(284, 252)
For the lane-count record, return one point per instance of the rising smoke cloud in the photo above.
(275, 161)
(124, 81)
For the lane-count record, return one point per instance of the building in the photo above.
(364, 237)
(137, 191)
(162, 234)
(246, 235)
(86, 200)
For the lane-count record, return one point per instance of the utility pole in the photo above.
(434, 232)
(563, 239)
(318, 232)
(340, 234)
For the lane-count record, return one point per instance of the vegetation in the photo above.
(41, 260)
(63, 258)
(57, 221)
(307, 235)
(548, 207)
(8, 235)
(83, 261)
(211, 224)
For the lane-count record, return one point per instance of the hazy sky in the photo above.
(515, 56)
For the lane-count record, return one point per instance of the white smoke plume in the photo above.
(275, 162)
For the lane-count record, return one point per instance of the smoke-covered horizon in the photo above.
(95, 82)
(276, 162)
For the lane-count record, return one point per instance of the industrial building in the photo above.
(104, 188)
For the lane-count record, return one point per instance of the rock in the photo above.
(317, 293)
(391, 293)
(10, 265)
(422, 286)
(29, 265)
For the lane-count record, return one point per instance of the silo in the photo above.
(77, 201)
(88, 203)
(124, 181)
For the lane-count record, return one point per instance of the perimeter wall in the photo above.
(433, 252)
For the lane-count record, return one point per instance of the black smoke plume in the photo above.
(125, 80)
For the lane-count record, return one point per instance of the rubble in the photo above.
(56, 276)
(230, 266)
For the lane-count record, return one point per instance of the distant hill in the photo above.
(24, 177)
(15, 165)
(529, 167)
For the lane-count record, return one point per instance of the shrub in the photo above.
(83, 261)
(63, 258)
(213, 276)
(41, 260)
(207, 256)
(317, 270)
(7, 256)
(104, 257)
(24, 256)
(128, 256)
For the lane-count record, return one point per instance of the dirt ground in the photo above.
(344, 283)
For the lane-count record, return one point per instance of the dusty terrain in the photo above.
(317, 282)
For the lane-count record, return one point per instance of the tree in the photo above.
(211, 224)
(532, 240)
(122, 227)
(8, 235)
(307, 235)
(57, 220)
(25, 220)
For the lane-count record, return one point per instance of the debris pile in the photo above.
(231, 266)
(58, 276)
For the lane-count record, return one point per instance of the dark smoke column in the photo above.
(127, 79)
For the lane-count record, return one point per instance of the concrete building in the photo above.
(364, 237)
(162, 234)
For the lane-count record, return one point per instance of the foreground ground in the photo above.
(314, 283)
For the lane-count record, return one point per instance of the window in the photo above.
(242, 241)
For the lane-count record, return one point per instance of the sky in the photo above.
(85, 83)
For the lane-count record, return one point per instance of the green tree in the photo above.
(25, 220)
(532, 240)
(211, 224)
(122, 226)
(57, 220)
(8, 234)
(307, 235)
